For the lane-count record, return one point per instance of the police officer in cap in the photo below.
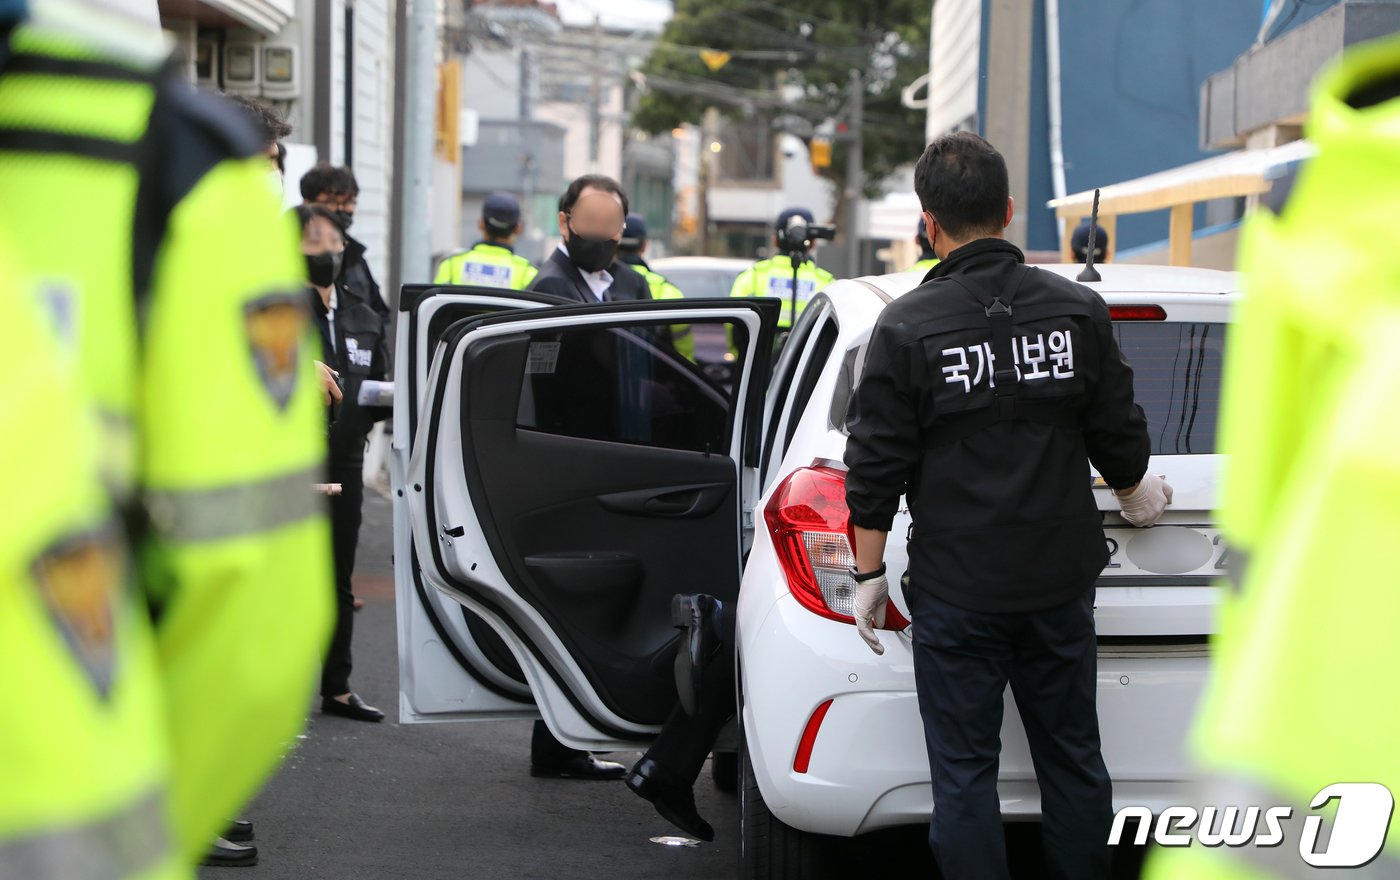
(773, 276)
(927, 258)
(492, 262)
(1079, 243)
(630, 251)
(987, 393)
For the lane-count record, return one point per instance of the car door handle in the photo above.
(671, 502)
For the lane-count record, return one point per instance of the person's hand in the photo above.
(1144, 504)
(871, 598)
(328, 383)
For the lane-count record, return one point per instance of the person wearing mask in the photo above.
(988, 365)
(492, 262)
(210, 469)
(585, 268)
(335, 189)
(352, 339)
(631, 250)
(927, 258)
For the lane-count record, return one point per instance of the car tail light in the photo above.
(1137, 313)
(803, 759)
(808, 519)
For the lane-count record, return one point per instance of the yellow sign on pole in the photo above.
(821, 152)
(714, 58)
(449, 109)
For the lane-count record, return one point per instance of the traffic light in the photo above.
(820, 149)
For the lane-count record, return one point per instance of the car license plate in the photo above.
(1166, 551)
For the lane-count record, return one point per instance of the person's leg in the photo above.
(345, 537)
(1053, 678)
(666, 774)
(685, 741)
(546, 751)
(961, 663)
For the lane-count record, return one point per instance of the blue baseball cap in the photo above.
(12, 11)
(634, 232)
(501, 212)
(920, 232)
(789, 213)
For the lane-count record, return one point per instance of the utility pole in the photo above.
(708, 125)
(415, 238)
(595, 97)
(855, 173)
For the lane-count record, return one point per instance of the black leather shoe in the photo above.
(583, 766)
(695, 614)
(239, 831)
(672, 797)
(223, 854)
(356, 710)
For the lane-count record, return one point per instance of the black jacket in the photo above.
(561, 277)
(357, 281)
(360, 352)
(1004, 513)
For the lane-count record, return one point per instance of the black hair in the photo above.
(591, 181)
(272, 127)
(327, 178)
(305, 214)
(961, 180)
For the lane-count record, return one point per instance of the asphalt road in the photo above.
(358, 800)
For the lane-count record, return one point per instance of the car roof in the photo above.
(726, 264)
(1116, 278)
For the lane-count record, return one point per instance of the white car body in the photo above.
(868, 767)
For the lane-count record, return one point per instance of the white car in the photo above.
(560, 472)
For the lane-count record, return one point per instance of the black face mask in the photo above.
(345, 219)
(591, 254)
(323, 269)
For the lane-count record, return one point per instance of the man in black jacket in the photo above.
(335, 189)
(592, 213)
(987, 392)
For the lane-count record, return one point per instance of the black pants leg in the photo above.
(963, 662)
(1054, 681)
(685, 741)
(546, 751)
(345, 537)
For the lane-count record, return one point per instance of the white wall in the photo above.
(373, 123)
(953, 65)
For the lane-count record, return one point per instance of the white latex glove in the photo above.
(1144, 504)
(871, 598)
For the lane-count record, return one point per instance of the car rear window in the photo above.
(1176, 380)
(702, 283)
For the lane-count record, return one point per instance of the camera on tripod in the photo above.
(798, 235)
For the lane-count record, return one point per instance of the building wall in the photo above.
(1130, 85)
(372, 120)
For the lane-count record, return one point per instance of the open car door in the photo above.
(572, 471)
(449, 661)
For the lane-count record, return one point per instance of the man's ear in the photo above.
(1010, 209)
(563, 226)
(481, 226)
(519, 228)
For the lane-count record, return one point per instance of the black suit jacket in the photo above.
(562, 278)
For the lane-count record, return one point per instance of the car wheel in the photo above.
(768, 849)
(724, 770)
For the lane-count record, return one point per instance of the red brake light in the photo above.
(807, 517)
(1137, 313)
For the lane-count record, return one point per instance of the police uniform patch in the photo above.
(80, 581)
(276, 324)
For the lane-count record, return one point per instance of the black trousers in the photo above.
(345, 538)
(963, 661)
(685, 741)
